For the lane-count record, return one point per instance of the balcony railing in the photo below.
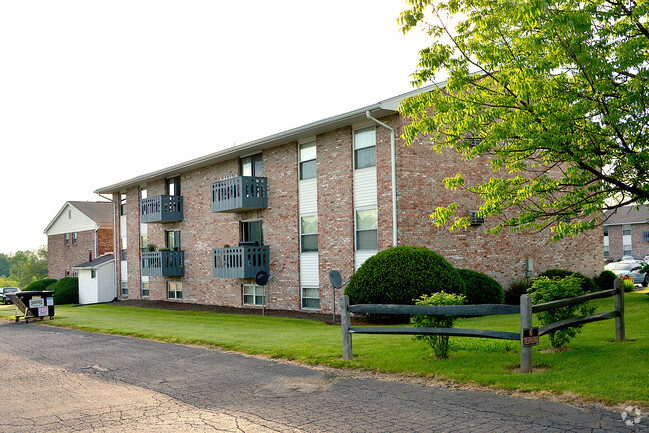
(240, 262)
(163, 264)
(162, 208)
(239, 194)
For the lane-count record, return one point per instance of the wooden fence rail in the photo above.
(525, 309)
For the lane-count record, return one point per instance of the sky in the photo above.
(97, 92)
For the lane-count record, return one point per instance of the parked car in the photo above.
(633, 270)
(5, 291)
(628, 259)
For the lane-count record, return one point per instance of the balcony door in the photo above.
(173, 240)
(173, 185)
(252, 231)
(251, 166)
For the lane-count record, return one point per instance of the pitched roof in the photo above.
(382, 108)
(100, 212)
(94, 264)
(627, 215)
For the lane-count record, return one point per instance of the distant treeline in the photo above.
(23, 267)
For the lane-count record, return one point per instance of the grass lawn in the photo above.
(595, 367)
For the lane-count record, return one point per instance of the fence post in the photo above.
(619, 309)
(526, 322)
(345, 322)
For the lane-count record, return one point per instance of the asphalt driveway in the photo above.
(59, 380)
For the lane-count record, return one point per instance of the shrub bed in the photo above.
(481, 288)
(66, 291)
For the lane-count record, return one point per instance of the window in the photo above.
(143, 193)
(144, 243)
(309, 233)
(93, 273)
(310, 297)
(605, 230)
(645, 236)
(606, 251)
(173, 239)
(626, 229)
(307, 161)
(473, 138)
(145, 288)
(626, 251)
(172, 185)
(122, 204)
(365, 148)
(67, 273)
(174, 290)
(67, 239)
(124, 288)
(75, 274)
(252, 231)
(366, 229)
(251, 166)
(253, 295)
(123, 245)
(74, 238)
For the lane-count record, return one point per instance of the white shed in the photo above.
(97, 280)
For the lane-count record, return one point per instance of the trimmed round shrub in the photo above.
(40, 284)
(402, 274)
(587, 284)
(66, 291)
(516, 289)
(481, 288)
(605, 280)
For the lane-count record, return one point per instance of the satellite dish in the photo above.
(261, 278)
(335, 279)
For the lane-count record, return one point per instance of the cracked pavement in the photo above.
(62, 380)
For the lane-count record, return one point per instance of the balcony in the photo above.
(239, 194)
(162, 208)
(163, 264)
(240, 262)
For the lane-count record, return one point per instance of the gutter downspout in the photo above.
(394, 174)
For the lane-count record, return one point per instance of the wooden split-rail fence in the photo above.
(525, 309)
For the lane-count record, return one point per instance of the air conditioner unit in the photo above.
(475, 219)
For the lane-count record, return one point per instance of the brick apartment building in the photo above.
(626, 233)
(305, 201)
(79, 230)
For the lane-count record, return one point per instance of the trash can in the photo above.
(33, 304)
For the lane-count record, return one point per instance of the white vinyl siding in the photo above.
(99, 289)
(308, 208)
(365, 195)
(309, 265)
(76, 222)
(627, 246)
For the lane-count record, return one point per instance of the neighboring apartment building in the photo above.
(302, 202)
(80, 231)
(626, 232)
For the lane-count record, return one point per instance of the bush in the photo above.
(605, 280)
(66, 291)
(587, 284)
(551, 289)
(438, 343)
(516, 289)
(628, 285)
(481, 288)
(400, 275)
(41, 284)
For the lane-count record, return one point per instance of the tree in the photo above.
(28, 266)
(555, 91)
(5, 265)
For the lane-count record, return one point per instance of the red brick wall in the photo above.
(62, 257)
(639, 247)
(421, 171)
(335, 208)
(105, 242)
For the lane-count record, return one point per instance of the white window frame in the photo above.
(303, 161)
(176, 292)
(357, 148)
(257, 292)
(302, 234)
(356, 230)
(142, 289)
(303, 298)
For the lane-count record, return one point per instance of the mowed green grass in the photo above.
(595, 367)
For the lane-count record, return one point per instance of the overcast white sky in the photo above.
(96, 92)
